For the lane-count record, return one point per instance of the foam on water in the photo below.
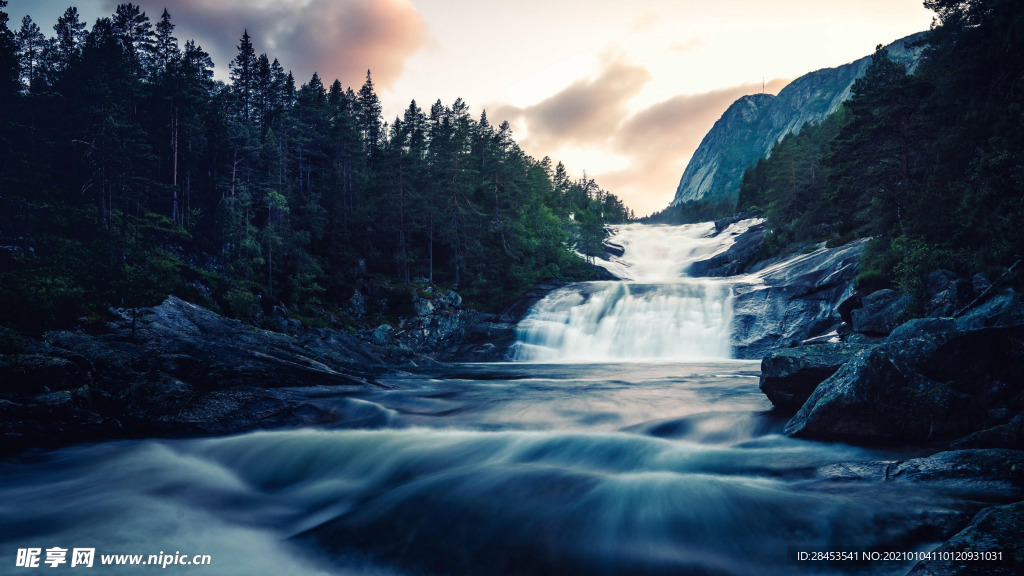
(655, 313)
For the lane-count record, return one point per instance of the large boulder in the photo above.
(915, 342)
(172, 369)
(790, 375)
(928, 380)
(41, 373)
(1000, 310)
(875, 398)
(996, 530)
(945, 293)
(846, 307)
(487, 338)
(1009, 435)
(880, 312)
(989, 473)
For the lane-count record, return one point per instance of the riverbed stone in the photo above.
(170, 369)
(1009, 435)
(874, 398)
(945, 293)
(985, 471)
(926, 382)
(737, 257)
(791, 300)
(880, 312)
(790, 375)
(1000, 310)
(994, 529)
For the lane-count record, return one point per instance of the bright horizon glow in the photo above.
(624, 92)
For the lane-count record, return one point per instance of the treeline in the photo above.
(690, 212)
(127, 173)
(930, 164)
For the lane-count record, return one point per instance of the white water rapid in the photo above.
(655, 313)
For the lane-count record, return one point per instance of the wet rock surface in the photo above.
(790, 375)
(996, 529)
(173, 369)
(876, 398)
(880, 312)
(927, 381)
(990, 472)
(487, 337)
(739, 256)
(787, 301)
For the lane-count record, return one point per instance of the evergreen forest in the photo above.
(929, 163)
(127, 173)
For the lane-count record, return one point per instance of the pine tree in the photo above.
(369, 117)
(265, 92)
(70, 37)
(166, 45)
(31, 44)
(197, 64)
(243, 76)
(135, 34)
(9, 61)
(873, 162)
(279, 100)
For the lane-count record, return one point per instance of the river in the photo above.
(667, 460)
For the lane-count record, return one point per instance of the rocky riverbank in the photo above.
(953, 383)
(170, 370)
(178, 369)
(845, 365)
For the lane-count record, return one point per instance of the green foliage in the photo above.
(876, 266)
(791, 187)
(930, 164)
(242, 304)
(11, 342)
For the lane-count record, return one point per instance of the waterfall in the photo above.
(655, 312)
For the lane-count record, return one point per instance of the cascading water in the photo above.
(655, 312)
(599, 468)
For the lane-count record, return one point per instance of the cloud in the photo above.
(687, 46)
(659, 140)
(335, 38)
(682, 121)
(645, 22)
(655, 142)
(588, 111)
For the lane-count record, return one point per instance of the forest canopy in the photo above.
(129, 173)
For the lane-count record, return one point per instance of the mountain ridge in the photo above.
(750, 127)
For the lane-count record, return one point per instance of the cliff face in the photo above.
(753, 124)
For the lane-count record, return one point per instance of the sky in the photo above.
(623, 91)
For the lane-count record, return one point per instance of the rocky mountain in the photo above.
(753, 124)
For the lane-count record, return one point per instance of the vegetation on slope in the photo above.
(930, 164)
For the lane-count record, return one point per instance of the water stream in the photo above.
(655, 313)
(661, 467)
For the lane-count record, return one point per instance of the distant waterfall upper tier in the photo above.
(655, 313)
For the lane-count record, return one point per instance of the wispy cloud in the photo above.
(687, 46)
(335, 38)
(587, 112)
(659, 141)
(656, 142)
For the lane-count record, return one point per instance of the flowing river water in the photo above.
(625, 442)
